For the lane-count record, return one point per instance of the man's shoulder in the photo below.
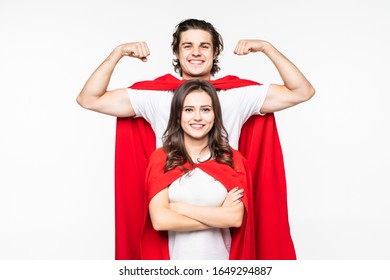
(244, 88)
(149, 91)
(165, 83)
(231, 82)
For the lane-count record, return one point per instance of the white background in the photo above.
(57, 159)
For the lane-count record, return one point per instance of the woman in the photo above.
(197, 185)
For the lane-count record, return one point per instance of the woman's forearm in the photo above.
(216, 217)
(166, 219)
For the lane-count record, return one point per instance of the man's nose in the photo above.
(195, 51)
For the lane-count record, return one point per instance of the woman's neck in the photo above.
(197, 149)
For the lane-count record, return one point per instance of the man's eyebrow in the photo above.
(190, 43)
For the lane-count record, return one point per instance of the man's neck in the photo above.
(203, 77)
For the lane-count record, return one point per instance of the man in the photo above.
(197, 45)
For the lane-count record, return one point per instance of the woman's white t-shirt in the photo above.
(199, 188)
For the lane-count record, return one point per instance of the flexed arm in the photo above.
(95, 96)
(296, 88)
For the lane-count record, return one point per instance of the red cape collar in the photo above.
(169, 82)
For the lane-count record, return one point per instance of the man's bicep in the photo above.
(116, 103)
(279, 98)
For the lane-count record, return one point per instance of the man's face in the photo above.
(196, 54)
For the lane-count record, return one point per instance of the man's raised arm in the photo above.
(95, 96)
(296, 88)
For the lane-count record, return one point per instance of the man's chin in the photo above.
(200, 76)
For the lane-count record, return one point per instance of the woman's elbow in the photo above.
(157, 226)
(159, 223)
(237, 222)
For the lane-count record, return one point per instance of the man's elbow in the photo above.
(78, 100)
(302, 95)
(309, 93)
(86, 103)
(81, 101)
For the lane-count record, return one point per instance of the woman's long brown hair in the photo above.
(173, 139)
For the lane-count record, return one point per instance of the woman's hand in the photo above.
(233, 197)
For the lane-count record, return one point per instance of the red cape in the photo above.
(154, 244)
(259, 144)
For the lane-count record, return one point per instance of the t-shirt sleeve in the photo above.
(252, 99)
(242, 103)
(150, 104)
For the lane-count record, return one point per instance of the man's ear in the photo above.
(216, 54)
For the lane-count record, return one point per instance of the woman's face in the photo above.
(197, 118)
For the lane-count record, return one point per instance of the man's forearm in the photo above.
(97, 84)
(292, 77)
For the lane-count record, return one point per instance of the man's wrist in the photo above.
(267, 47)
(116, 54)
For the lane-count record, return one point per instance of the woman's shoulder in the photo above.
(239, 160)
(237, 154)
(158, 155)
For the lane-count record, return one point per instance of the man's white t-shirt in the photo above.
(237, 104)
